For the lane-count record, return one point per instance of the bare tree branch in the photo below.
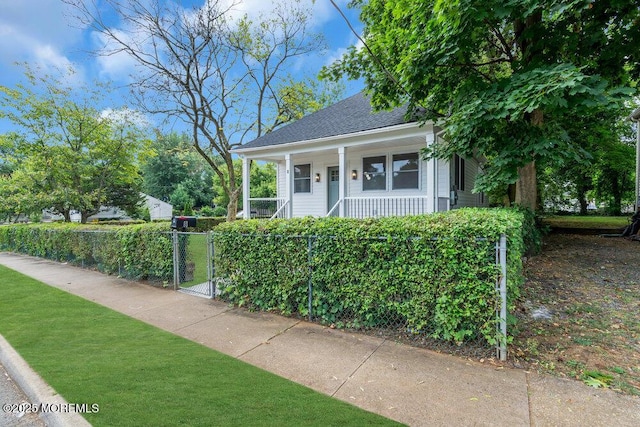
(196, 65)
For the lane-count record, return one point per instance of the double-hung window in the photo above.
(405, 171)
(302, 178)
(374, 171)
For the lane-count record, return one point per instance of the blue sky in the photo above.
(44, 34)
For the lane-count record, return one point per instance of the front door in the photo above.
(333, 188)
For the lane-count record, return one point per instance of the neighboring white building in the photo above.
(347, 161)
(157, 210)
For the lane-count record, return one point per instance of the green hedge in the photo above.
(139, 251)
(432, 274)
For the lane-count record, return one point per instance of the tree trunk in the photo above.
(583, 204)
(526, 186)
(232, 206)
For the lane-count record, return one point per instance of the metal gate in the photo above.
(193, 263)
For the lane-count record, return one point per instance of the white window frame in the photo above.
(417, 171)
(302, 178)
(364, 173)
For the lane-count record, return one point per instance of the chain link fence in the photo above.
(379, 289)
(193, 263)
(143, 256)
(383, 286)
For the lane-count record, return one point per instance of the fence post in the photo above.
(175, 259)
(502, 336)
(210, 264)
(309, 260)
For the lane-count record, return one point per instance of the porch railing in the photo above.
(267, 207)
(372, 207)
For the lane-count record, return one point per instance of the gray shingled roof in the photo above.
(348, 116)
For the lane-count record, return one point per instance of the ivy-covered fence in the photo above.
(432, 276)
(141, 251)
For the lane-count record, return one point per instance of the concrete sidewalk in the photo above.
(410, 385)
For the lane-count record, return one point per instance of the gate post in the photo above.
(502, 334)
(175, 259)
(309, 261)
(210, 265)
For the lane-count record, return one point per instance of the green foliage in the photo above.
(506, 79)
(434, 274)
(68, 155)
(139, 251)
(219, 211)
(208, 223)
(181, 200)
(174, 163)
(603, 171)
(262, 178)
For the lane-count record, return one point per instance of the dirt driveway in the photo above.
(579, 315)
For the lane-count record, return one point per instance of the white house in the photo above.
(157, 210)
(347, 161)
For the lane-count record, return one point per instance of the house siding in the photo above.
(315, 203)
(466, 197)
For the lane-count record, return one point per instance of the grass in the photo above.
(197, 253)
(586, 221)
(140, 375)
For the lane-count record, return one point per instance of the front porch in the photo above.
(349, 207)
(367, 179)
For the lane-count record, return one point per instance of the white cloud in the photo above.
(111, 63)
(322, 11)
(337, 53)
(36, 32)
(125, 116)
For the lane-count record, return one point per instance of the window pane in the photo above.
(302, 185)
(302, 178)
(302, 171)
(405, 171)
(374, 171)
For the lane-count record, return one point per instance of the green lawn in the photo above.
(586, 221)
(140, 375)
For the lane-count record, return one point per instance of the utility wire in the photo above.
(373, 56)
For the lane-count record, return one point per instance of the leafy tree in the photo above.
(67, 154)
(263, 181)
(615, 168)
(504, 77)
(226, 81)
(606, 169)
(181, 200)
(175, 162)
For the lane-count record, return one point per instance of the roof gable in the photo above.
(348, 116)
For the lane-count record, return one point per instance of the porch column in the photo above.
(246, 173)
(432, 175)
(288, 187)
(342, 190)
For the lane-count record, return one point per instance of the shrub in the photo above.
(139, 251)
(219, 211)
(433, 274)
